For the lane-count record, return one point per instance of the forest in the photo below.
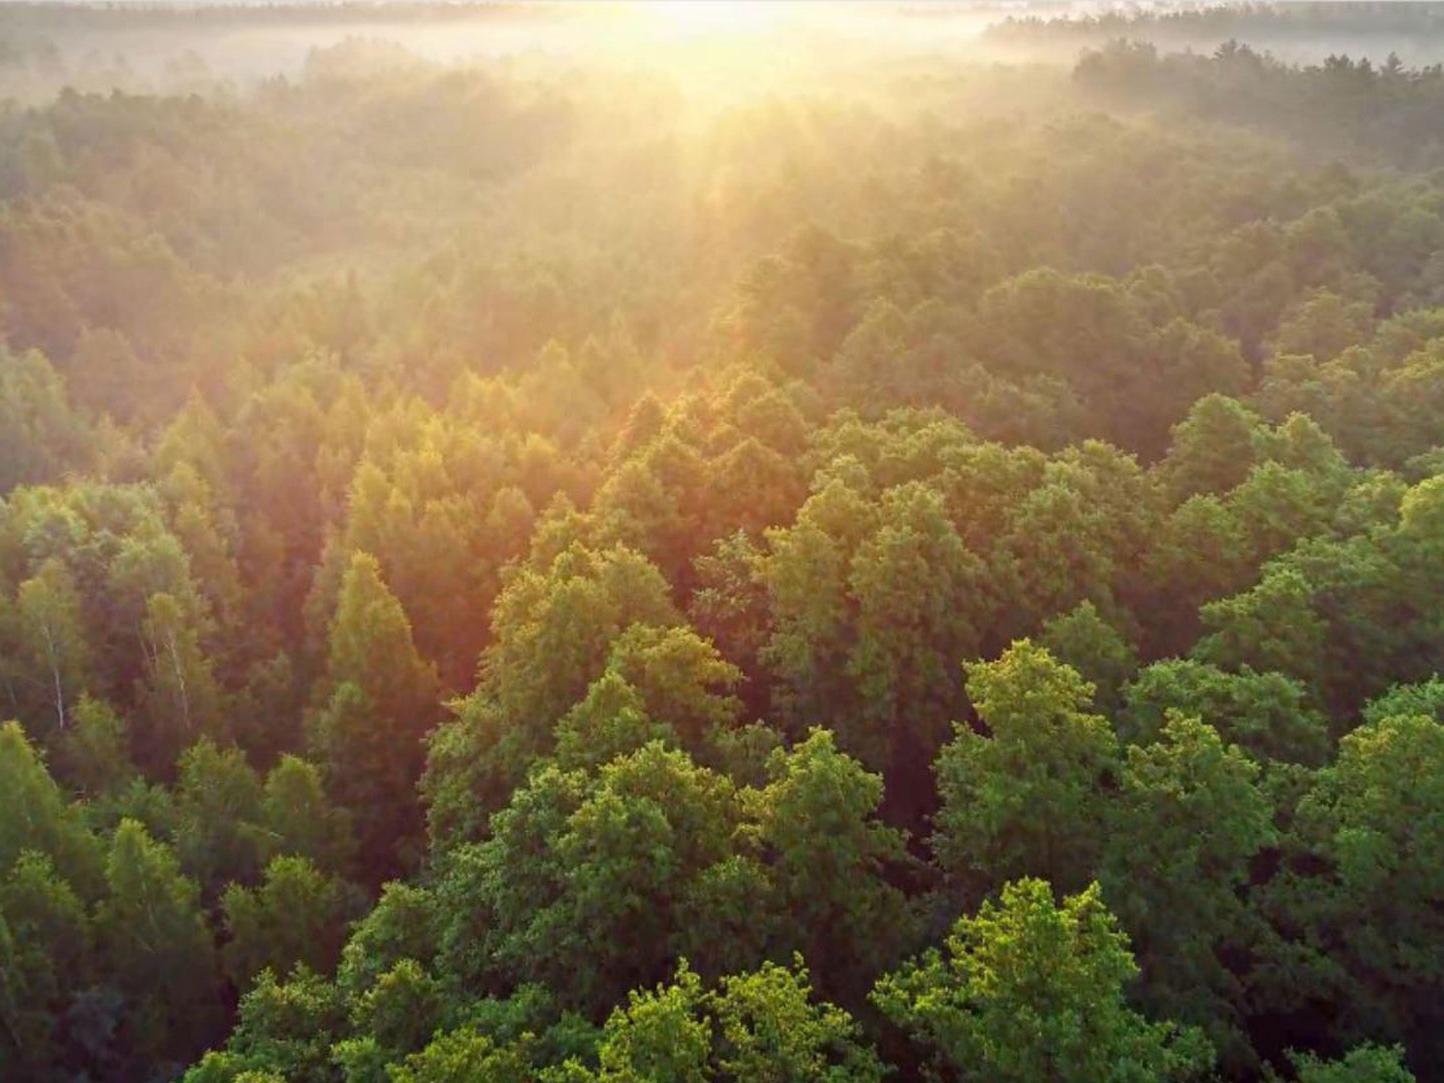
(749, 543)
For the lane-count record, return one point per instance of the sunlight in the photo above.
(696, 18)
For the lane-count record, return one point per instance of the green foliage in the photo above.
(94, 754)
(402, 925)
(1268, 714)
(464, 1057)
(586, 880)
(218, 813)
(1364, 1064)
(1370, 818)
(829, 858)
(45, 945)
(1027, 799)
(296, 916)
(150, 923)
(1031, 990)
(760, 1025)
(1190, 818)
(1083, 640)
(36, 816)
(285, 1028)
(383, 701)
(299, 819)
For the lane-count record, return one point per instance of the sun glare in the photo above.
(695, 18)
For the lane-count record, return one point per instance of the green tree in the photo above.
(769, 1028)
(1029, 990)
(1028, 798)
(1190, 817)
(681, 679)
(150, 923)
(369, 735)
(1370, 821)
(610, 722)
(464, 1056)
(1269, 715)
(592, 885)
(370, 646)
(554, 627)
(218, 832)
(829, 858)
(36, 816)
(46, 959)
(402, 925)
(296, 915)
(1272, 626)
(179, 696)
(285, 1029)
(759, 1025)
(922, 605)
(53, 636)
(1091, 645)
(1363, 1064)
(93, 755)
(659, 1035)
(1213, 448)
(298, 819)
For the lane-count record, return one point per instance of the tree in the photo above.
(150, 923)
(922, 605)
(48, 607)
(464, 1056)
(769, 1028)
(1030, 990)
(370, 646)
(554, 629)
(682, 680)
(46, 959)
(402, 925)
(554, 626)
(296, 915)
(592, 884)
(369, 735)
(659, 1036)
(218, 832)
(1324, 325)
(1425, 698)
(805, 576)
(829, 858)
(42, 435)
(395, 1016)
(610, 722)
(285, 1028)
(1269, 715)
(1089, 644)
(1213, 448)
(298, 819)
(759, 1025)
(1272, 626)
(179, 696)
(1368, 918)
(93, 755)
(1028, 798)
(1363, 1064)
(1190, 818)
(36, 817)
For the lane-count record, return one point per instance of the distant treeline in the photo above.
(1338, 107)
(1308, 21)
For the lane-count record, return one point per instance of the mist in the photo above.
(140, 46)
